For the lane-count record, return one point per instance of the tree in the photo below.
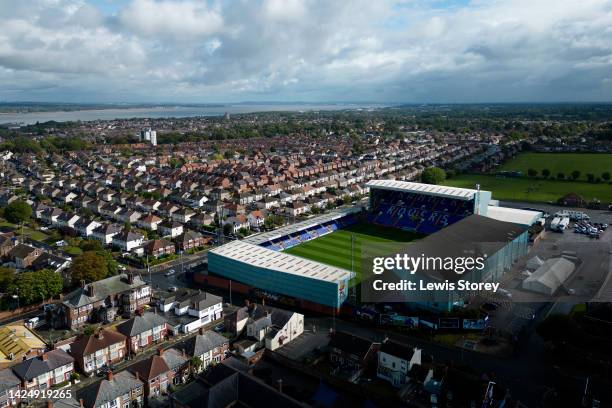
(228, 229)
(433, 175)
(36, 286)
(91, 245)
(560, 176)
(90, 266)
(590, 177)
(575, 174)
(7, 275)
(195, 364)
(605, 175)
(18, 211)
(545, 173)
(532, 172)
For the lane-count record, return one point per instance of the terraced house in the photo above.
(102, 349)
(144, 331)
(122, 390)
(45, 371)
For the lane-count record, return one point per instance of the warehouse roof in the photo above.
(430, 189)
(261, 257)
(259, 239)
(523, 217)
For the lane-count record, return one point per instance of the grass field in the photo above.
(525, 189)
(335, 248)
(561, 162)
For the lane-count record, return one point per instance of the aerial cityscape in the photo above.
(292, 203)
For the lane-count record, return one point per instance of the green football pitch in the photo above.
(335, 248)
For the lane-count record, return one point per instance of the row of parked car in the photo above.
(592, 229)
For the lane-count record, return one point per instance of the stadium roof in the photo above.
(430, 189)
(523, 217)
(261, 257)
(475, 235)
(259, 239)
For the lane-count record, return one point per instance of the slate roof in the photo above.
(8, 380)
(140, 324)
(231, 387)
(104, 391)
(102, 289)
(32, 368)
(174, 358)
(203, 343)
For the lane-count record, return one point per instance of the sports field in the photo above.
(564, 163)
(335, 248)
(535, 190)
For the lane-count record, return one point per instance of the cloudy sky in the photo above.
(305, 50)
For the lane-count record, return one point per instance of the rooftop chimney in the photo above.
(99, 334)
(81, 402)
(280, 385)
(130, 278)
(137, 375)
(201, 330)
(45, 357)
(91, 290)
(109, 376)
(160, 351)
(49, 404)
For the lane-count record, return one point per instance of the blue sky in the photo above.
(305, 50)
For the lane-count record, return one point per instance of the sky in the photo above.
(411, 51)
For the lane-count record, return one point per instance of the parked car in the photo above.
(170, 272)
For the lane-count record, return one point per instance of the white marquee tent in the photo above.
(550, 276)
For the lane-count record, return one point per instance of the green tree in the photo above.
(18, 211)
(433, 175)
(590, 177)
(36, 286)
(7, 275)
(90, 266)
(227, 229)
(560, 176)
(532, 172)
(605, 175)
(545, 173)
(575, 174)
(196, 364)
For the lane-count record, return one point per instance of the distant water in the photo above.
(168, 112)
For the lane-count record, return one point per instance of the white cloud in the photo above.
(196, 50)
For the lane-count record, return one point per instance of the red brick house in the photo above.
(144, 331)
(155, 373)
(102, 349)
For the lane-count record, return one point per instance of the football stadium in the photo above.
(316, 261)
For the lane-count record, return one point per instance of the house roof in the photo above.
(140, 324)
(174, 358)
(203, 343)
(32, 368)
(102, 392)
(85, 345)
(351, 344)
(102, 289)
(150, 368)
(8, 379)
(396, 349)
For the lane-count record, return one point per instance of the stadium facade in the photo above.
(445, 214)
